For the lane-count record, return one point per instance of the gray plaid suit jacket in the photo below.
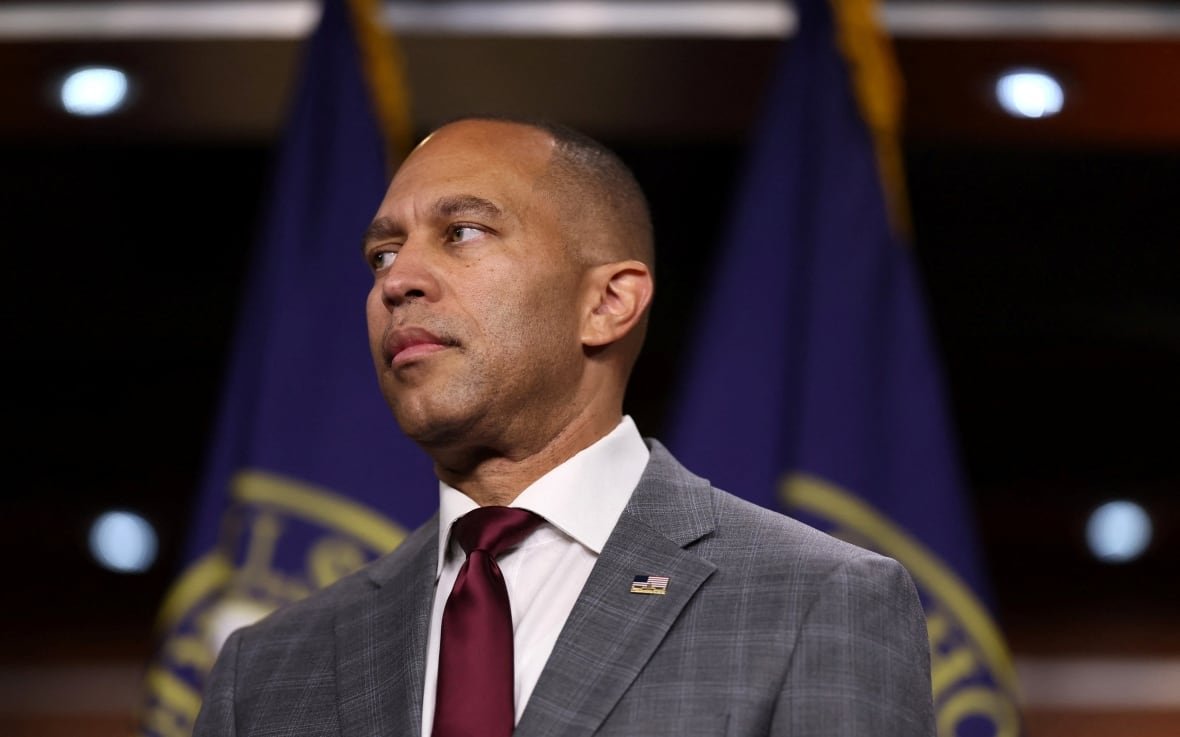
(768, 627)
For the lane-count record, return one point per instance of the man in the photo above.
(512, 268)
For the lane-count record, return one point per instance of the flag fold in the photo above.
(815, 387)
(306, 476)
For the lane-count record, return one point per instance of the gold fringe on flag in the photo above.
(878, 88)
(384, 69)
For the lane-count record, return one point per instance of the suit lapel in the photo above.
(381, 642)
(612, 633)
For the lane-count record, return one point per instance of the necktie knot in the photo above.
(494, 529)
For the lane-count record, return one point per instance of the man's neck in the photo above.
(496, 477)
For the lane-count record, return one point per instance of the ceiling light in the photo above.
(1118, 531)
(1029, 93)
(93, 91)
(123, 542)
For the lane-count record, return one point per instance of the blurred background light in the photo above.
(92, 91)
(123, 542)
(227, 616)
(1029, 93)
(1118, 531)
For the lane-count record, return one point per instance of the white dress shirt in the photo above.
(581, 501)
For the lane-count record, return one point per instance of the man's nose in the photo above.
(411, 276)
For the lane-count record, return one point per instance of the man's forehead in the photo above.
(496, 133)
(470, 145)
(497, 161)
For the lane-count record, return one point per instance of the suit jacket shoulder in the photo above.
(747, 537)
(345, 660)
(767, 627)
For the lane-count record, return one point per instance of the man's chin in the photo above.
(431, 428)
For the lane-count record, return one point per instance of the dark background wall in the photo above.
(1049, 252)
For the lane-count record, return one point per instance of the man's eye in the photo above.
(463, 233)
(382, 260)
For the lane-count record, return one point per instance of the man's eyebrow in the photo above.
(466, 204)
(382, 228)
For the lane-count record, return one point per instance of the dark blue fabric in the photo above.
(301, 413)
(813, 351)
(301, 396)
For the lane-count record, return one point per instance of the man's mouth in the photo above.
(407, 345)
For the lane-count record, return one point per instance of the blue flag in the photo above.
(815, 388)
(307, 476)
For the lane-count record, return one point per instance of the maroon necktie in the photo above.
(475, 657)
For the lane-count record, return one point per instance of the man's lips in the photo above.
(405, 345)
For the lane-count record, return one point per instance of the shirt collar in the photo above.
(583, 497)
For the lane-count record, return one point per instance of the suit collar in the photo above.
(672, 500)
(381, 642)
(385, 569)
(612, 633)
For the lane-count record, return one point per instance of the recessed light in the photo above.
(1118, 531)
(93, 91)
(1029, 93)
(123, 541)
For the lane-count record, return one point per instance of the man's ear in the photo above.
(618, 296)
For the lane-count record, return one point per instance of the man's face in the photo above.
(474, 311)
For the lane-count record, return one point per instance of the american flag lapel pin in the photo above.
(657, 585)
